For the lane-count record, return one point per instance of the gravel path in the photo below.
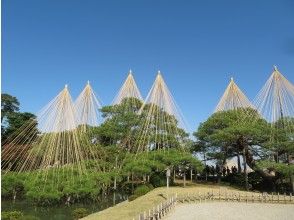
(231, 211)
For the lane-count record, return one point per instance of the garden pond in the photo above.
(62, 212)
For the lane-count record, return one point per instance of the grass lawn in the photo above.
(129, 210)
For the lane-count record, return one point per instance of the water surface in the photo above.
(62, 212)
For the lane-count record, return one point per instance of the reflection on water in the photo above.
(62, 212)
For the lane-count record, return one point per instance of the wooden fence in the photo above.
(159, 211)
(236, 197)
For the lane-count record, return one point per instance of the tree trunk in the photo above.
(291, 176)
(204, 156)
(245, 169)
(14, 195)
(218, 178)
(219, 173)
(174, 175)
(185, 179)
(263, 173)
(114, 198)
(239, 163)
(114, 184)
(132, 183)
(292, 182)
(251, 163)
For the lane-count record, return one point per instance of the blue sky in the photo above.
(197, 45)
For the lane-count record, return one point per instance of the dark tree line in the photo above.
(11, 118)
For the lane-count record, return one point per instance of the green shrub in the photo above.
(141, 190)
(235, 179)
(12, 215)
(79, 213)
(158, 180)
(46, 197)
(256, 180)
(133, 197)
(46, 192)
(12, 184)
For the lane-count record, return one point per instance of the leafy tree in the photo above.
(121, 123)
(114, 142)
(233, 133)
(280, 149)
(126, 128)
(12, 120)
(243, 132)
(155, 163)
(18, 123)
(160, 130)
(9, 104)
(281, 142)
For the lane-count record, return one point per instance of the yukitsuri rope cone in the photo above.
(233, 98)
(163, 123)
(52, 146)
(128, 90)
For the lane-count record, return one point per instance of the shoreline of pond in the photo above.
(61, 212)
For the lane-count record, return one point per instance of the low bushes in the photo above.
(255, 181)
(158, 179)
(12, 215)
(12, 186)
(140, 191)
(47, 190)
(47, 197)
(16, 215)
(237, 179)
(80, 213)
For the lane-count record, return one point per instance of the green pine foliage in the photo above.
(12, 215)
(117, 162)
